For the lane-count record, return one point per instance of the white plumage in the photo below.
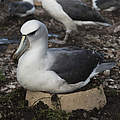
(53, 70)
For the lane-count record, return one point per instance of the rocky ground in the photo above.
(13, 105)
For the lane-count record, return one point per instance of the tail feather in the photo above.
(105, 66)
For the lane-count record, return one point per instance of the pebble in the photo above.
(106, 72)
(0, 115)
(11, 86)
(93, 118)
(85, 115)
(113, 86)
(118, 64)
(111, 80)
(22, 119)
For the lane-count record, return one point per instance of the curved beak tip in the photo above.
(13, 56)
(24, 44)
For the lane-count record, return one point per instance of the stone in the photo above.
(0, 116)
(106, 72)
(87, 100)
(94, 118)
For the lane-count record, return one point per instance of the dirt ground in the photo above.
(13, 105)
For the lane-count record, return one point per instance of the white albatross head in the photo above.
(34, 34)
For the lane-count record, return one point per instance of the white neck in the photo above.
(39, 46)
(33, 58)
(30, 1)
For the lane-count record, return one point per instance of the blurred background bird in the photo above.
(72, 13)
(21, 8)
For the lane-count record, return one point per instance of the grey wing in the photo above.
(19, 7)
(75, 66)
(80, 11)
(105, 4)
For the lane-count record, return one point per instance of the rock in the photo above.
(106, 72)
(0, 116)
(87, 100)
(93, 118)
(118, 64)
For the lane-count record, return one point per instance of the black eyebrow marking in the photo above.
(32, 33)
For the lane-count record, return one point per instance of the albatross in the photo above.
(54, 70)
(72, 13)
(21, 8)
(106, 5)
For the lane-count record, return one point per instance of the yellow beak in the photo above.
(24, 45)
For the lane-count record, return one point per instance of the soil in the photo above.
(13, 105)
